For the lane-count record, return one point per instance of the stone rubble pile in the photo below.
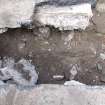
(21, 73)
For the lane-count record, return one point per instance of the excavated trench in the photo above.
(62, 56)
(43, 63)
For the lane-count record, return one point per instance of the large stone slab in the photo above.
(66, 17)
(14, 13)
(53, 95)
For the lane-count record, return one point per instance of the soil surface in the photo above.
(60, 57)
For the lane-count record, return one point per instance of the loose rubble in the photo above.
(15, 13)
(21, 73)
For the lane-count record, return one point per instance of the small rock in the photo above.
(21, 45)
(73, 83)
(73, 72)
(67, 39)
(2, 30)
(42, 32)
(58, 77)
(49, 49)
(14, 13)
(64, 17)
(46, 42)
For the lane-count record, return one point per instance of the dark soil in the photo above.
(56, 55)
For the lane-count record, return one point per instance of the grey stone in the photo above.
(73, 72)
(21, 73)
(64, 17)
(72, 94)
(15, 13)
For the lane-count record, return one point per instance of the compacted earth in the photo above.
(59, 57)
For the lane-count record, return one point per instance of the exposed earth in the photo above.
(62, 56)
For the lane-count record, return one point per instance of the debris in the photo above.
(21, 73)
(43, 32)
(73, 72)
